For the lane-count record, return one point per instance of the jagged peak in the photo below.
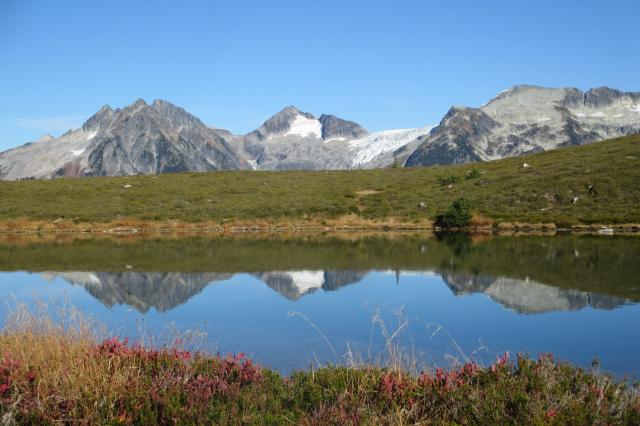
(333, 127)
(289, 109)
(99, 119)
(281, 121)
(158, 103)
(456, 109)
(139, 103)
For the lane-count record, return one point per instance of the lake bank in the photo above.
(345, 224)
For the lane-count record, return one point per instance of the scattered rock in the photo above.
(127, 186)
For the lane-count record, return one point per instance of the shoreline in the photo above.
(344, 224)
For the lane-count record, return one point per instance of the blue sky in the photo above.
(384, 64)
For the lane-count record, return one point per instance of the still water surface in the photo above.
(296, 302)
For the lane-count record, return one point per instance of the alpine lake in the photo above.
(303, 300)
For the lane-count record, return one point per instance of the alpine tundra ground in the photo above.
(590, 184)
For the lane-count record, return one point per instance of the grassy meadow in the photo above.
(596, 183)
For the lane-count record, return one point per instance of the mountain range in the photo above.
(161, 137)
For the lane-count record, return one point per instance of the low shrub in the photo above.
(448, 180)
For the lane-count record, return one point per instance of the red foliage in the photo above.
(8, 367)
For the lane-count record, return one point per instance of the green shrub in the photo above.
(458, 215)
(448, 180)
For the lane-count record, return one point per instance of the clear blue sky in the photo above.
(384, 64)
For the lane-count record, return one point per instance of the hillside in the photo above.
(595, 183)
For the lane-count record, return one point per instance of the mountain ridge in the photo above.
(161, 137)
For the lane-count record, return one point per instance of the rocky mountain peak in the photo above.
(282, 121)
(604, 96)
(175, 115)
(334, 127)
(100, 120)
(139, 103)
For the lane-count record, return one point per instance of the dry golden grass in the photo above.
(59, 356)
(480, 221)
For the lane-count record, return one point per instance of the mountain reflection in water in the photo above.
(165, 291)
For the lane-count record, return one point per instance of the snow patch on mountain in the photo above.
(304, 127)
(378, 143)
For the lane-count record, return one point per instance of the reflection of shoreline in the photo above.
(165, 291)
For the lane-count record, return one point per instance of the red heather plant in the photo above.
(8, 369)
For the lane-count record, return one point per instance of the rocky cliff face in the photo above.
(528, 119)
(337, 128)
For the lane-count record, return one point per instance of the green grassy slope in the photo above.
(501, 190)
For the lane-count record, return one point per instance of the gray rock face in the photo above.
(158, 138)
(334, 127)
(528, 119)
